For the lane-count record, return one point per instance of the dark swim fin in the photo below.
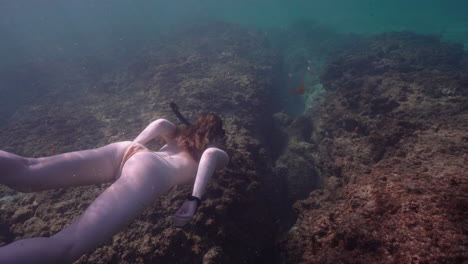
(182, 119)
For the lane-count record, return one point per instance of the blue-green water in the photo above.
(30, 29)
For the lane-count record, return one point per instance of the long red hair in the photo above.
(195, 138)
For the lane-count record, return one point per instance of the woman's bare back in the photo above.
(184, 165)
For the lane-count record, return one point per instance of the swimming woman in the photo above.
(191, 154)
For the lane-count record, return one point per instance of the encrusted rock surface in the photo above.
(387, 145)
(211, 67)
(391, 142)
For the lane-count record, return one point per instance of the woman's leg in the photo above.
(145, 176)
(77, 168)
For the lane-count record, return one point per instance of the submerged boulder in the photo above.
(391, 147)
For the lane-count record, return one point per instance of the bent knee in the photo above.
(17, 175)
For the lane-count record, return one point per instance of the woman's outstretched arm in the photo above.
(161, 127)
(211, 160)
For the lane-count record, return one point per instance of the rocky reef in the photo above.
(206, 67)
(390, 142)
(373, 172)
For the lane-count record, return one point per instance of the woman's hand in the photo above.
(185, 213)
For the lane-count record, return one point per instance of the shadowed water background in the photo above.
(107, 34)
(33, 29)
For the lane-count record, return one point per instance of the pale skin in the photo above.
(144, 177)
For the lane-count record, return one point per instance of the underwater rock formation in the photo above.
(211, 67)
(295, 167)
(387, 147)
(391, 145)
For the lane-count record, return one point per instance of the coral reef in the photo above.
(390, 140)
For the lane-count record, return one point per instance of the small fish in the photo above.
(301, 89)
(356, 130)
(58, 47)
(309, 68)
(53, 151)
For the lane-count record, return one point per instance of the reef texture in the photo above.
(390, 140)
(211, 67)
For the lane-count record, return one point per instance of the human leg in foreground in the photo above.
(77, 168)
(144, 178)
